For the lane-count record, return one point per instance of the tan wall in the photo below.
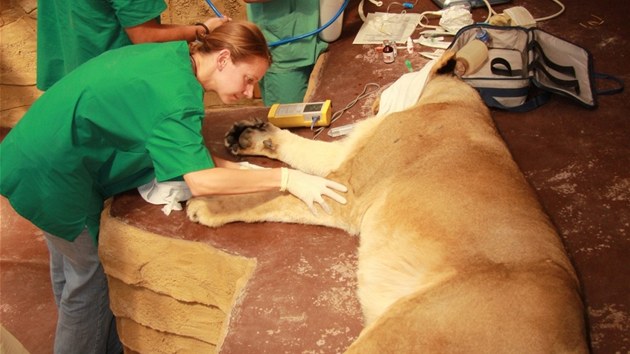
(18, 26)
(18, 19)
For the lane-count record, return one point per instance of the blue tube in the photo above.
(291, 39)
(216, 11)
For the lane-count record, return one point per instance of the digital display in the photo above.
(308, 114)
(313, 107)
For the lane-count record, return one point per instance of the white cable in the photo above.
(423, 17)
(361, 13)
(491, 11)
(339, 113)
(554, 15)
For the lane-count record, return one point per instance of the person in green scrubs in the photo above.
(287, 78)
(114, 123)
(71, 32)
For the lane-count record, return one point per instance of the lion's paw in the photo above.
(199, 211)
(251, 137)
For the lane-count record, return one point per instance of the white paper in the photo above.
(379, 26)
(404, 92)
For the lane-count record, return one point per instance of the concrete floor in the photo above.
(576, 159)
(27, 308)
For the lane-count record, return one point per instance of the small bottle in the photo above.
(484, 36)
(388, 52)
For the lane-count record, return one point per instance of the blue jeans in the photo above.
(85, 323)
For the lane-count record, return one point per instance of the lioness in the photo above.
(456, 254)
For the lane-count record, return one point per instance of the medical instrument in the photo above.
(291, 39)
(408, 65)
(433, 42)
(341, 131)
(409, 45)
(436, 33)
(432, 55)
(292, 115)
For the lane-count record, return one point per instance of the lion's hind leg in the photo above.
(498, 308)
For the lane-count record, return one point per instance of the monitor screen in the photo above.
(313, 107)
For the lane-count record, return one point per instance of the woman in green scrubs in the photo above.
(116, 122)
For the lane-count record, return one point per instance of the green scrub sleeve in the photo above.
(70, 33)
(177, 147)
(135, 12)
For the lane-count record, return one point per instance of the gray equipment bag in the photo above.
(520, 58)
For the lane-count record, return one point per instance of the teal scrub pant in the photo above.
(85, 323)
(288, 86)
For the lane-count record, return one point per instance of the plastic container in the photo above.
(327, 10)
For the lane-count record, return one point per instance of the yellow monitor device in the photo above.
(291, 115)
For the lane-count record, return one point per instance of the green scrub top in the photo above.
(72, 32)
(111, 125)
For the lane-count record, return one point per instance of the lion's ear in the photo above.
(445, 64)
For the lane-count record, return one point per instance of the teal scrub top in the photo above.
(280, 19)
(286, 81)
(71, 32)
(111, 125)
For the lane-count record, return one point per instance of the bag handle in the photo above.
(611, 91)
(501, 67)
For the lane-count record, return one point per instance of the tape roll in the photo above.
(471, 57)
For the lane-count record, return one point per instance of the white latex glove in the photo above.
(309, 188)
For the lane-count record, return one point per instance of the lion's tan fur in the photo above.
(456, 253)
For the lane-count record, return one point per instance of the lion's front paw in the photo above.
(199, 210)
(251, 137)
